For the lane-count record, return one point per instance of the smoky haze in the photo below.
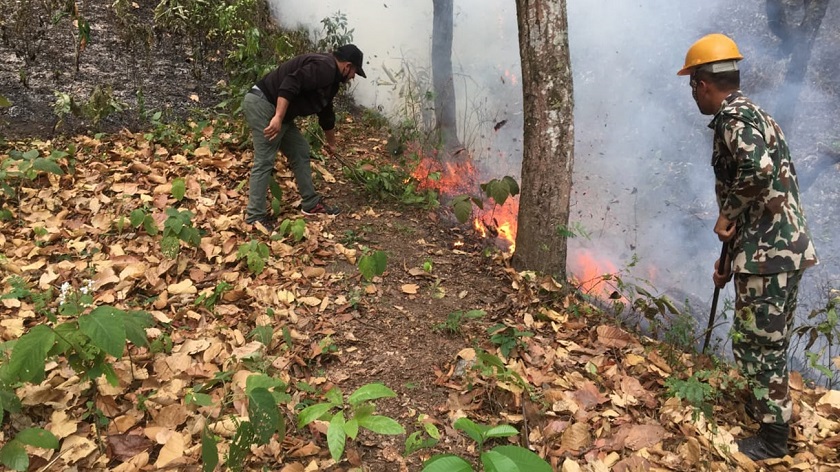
(643, 185)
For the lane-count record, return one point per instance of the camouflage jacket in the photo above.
(756, 187)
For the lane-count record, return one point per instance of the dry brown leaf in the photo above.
(173, 449)
(126, 446)
(248, 350)
(62, 426)
(642, 436)
(135, 464)
(612, 336)
(690, 451)
(570, 465)
(576, 437)
(314, 272)
(293, 467)
(829, 404)
(185, 286)
(171, 416)
(410, 288)
(75, 448)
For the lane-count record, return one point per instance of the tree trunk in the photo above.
(443, 82)
(548, 156)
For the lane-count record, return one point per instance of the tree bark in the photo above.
(442, 78)
(548, 153)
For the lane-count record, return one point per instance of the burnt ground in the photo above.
(147, 70)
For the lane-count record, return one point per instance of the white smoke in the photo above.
(643, 184)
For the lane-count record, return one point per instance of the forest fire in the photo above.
(500, 221)
(590, 273)
(460, 177)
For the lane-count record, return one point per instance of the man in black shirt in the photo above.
(304, 85)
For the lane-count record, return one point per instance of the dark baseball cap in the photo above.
(350, 53)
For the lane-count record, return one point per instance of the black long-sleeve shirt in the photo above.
(309, 82)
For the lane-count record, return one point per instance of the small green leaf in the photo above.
(312, 413)
(495, 462)
(463, 208)
(209, 451)
(473, 430)
(336, 437)
(13, 455)
(136, 217)
(4, 102)
(370, 392)
(524, 459)
(264, 415)
(275, 189)
(46, 165)
(29, 353)
(136, 323)
(150, 226)
(200, 399)
(179, 188)
(106, 329)
(446, 463)
(38, 437)
(351, 428)
(501, 431)
(334, 396)
(513, 187)
(381, 425)
(372, 265)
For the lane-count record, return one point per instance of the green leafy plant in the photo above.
(497, 189)
(702, 389)
(79, 332)
(256, 255)
(455, 319)
(296, 229)
(140, 217)
(179, 188)
(346, 419)
(265, 420)
(28, 165)
(99, 105)
(176, 228)
(500, 458)
(210, 299)
(823, 323)
(372, 263)
(13, 454)
(507, 338)
(395, 183)
(427, 436)
(335, 32)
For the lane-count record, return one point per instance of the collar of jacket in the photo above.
(724, 105)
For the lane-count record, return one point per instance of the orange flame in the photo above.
(458, 178)
(591, 272)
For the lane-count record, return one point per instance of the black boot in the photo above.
(770, 442)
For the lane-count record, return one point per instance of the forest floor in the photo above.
(584, 390)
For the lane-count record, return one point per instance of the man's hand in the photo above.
(329, 142)
(721, 280)
(270, 132)
(724, 228)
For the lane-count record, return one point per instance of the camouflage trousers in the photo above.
(764, 309)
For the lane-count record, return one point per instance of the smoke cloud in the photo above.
(643, 184)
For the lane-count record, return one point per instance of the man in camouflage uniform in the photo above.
(764, 226)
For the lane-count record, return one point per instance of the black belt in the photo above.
(256, 91)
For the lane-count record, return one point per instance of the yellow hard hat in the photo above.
(710, 48)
